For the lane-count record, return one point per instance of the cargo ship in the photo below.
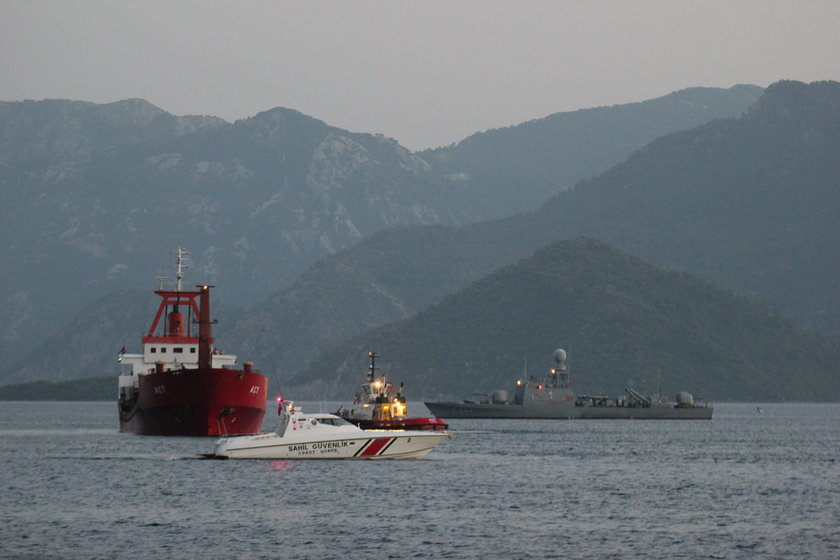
(379, 405)
(552, 397)
(181, 385)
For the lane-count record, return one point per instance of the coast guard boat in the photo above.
(326, 436)
(379, 405)
(552, 397)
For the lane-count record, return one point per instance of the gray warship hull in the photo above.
(552, 397)
(567, 411)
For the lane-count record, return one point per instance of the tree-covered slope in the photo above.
(85, 389)
(622, 320)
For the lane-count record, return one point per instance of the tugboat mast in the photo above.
(372, 366)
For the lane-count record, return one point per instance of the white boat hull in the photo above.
(366, 445)
(326, 436)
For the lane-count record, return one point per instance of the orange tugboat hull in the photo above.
(427, 424)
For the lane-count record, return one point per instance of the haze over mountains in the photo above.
(747, 202)
(96, 197)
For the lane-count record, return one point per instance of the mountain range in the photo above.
(96, 197)
(746, 202)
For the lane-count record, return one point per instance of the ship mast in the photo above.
(172, 300)
(176, 318)
(180, 265)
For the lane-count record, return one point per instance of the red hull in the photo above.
(429, 424)
(197, 402)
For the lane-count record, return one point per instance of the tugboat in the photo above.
(379, 405)
(181, 385)
(326, 436)
(552, 397)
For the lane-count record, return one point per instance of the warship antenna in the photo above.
(560, 357)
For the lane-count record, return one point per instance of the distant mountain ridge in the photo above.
(43, 130)
(95, 197)
(588, 141)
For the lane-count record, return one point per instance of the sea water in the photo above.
(754, 482)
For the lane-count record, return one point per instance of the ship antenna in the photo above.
(180, 265)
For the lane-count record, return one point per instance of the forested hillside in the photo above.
(622, 320)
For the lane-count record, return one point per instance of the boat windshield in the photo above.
(333, 421)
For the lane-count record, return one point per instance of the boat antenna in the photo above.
(274, 372)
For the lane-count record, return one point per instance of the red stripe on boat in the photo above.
(375, 446)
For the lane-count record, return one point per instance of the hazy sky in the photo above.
(426, 73)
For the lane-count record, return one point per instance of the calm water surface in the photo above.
(744, 485)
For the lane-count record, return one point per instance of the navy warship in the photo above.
(552, 397)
